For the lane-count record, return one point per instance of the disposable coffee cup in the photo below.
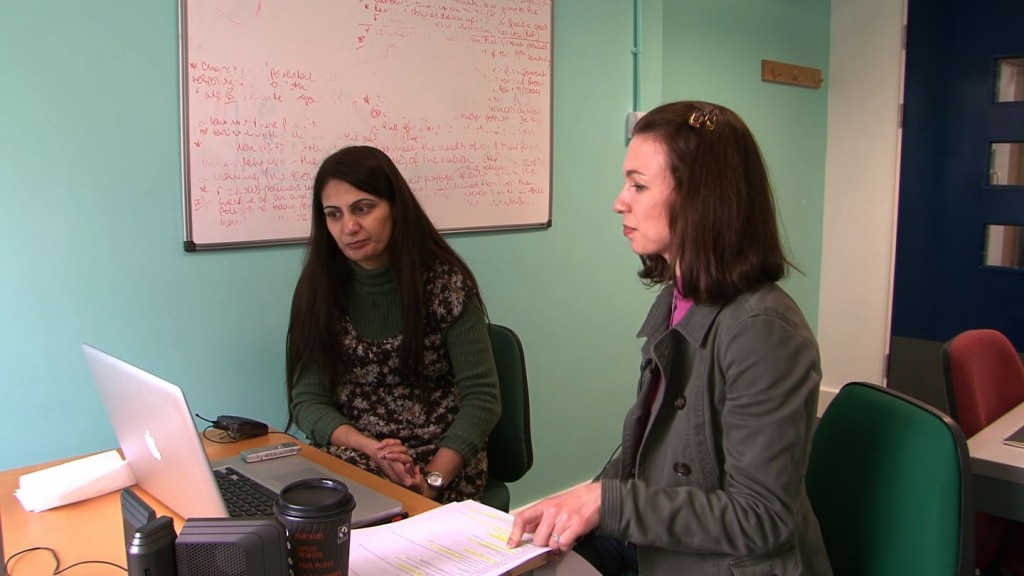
(316, 513)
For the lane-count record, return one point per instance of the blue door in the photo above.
(961, 199)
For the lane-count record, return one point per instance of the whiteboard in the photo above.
(457, 92)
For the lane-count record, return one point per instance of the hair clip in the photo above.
(706, 119)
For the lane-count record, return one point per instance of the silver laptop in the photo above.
(161, 444)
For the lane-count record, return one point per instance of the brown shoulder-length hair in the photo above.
(415, 248)
(722, 217)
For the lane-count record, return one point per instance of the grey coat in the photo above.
(713, 484)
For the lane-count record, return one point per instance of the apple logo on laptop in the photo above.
(151, 444)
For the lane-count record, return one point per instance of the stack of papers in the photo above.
(459, 539)
(1015, 439)
(73, 481)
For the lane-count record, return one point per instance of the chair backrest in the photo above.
(984, 378)
(509, 447)
(889, 482)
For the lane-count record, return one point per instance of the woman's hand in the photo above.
(560, 520)
(420, 486)
(393, 459)
(390, 455)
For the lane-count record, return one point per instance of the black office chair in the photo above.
(889, 481)
(509, 447)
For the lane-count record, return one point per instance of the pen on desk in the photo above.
(385, 520)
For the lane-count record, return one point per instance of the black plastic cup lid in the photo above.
(315, 497)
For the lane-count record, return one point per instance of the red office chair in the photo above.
(984, 380)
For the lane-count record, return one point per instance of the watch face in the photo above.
(435, 479)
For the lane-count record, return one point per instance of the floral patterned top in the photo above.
(374, 397)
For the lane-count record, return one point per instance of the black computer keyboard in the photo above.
(243, 495)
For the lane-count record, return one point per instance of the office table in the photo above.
(998, 469)
(92, 529)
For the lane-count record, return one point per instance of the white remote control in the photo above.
(268, 452)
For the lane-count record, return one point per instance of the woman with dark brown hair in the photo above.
(710, 479)
(388, 359)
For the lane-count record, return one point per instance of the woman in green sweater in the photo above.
(388, 358)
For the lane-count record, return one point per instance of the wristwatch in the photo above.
(435, 480)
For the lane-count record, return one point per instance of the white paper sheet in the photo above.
(459, 539)
(73, 481)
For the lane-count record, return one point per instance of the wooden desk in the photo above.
(998, 469)
(92, 529)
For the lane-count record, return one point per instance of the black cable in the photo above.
(609, 461)
(65, 569)
(204, 419)
(223, 434)
(233, 439)
(7, 563)
(56, 561)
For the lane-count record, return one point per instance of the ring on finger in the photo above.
(554, 538)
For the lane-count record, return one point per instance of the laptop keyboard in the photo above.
(243, 495)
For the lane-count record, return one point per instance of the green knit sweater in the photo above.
(375, 312)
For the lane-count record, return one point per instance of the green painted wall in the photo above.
(90, 222)
(712, 50)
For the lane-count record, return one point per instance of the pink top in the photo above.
(680, 305)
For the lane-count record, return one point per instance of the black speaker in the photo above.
(135, 513)
(232, 547)
(151, 550)
(148, 540)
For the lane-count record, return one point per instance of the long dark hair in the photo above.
(415, 248)
(722, 218)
